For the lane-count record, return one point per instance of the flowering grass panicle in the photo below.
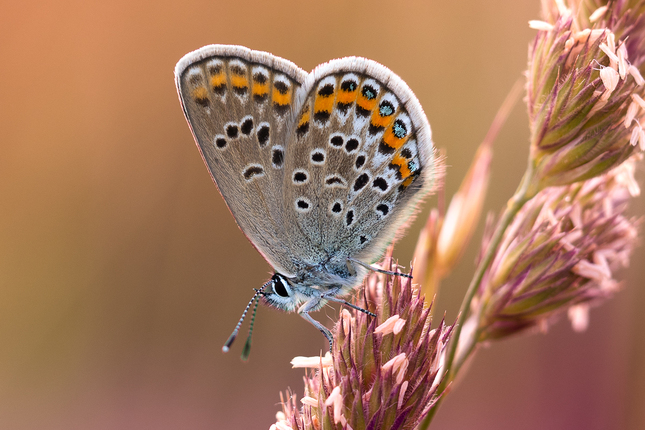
(561, 250)
(383, 372)
(585, 90)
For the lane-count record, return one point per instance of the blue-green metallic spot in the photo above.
(399, 130)
(386, 110)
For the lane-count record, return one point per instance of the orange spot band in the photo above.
(346, 97)
(260, 89)
(218, 80)
(304, 119)
(381, 121)
(324, 103)
(404, 170)
(281, 99)
(408, 181)
(365, 103)
(392, 140)
(239, 81)
(200, 93)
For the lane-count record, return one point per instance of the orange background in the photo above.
(122, 272)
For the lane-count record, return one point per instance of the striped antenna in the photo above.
(247, 346)
(233, 335)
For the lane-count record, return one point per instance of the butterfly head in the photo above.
(281, 294)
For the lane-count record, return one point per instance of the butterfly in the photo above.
(320, 170)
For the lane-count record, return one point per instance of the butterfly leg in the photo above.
(350, 267)
(324, 330)
(346, 303)
(374, 269)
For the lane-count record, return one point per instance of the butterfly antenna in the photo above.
(247, 346)
(233, 335)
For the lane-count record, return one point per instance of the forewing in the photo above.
(239, 103)
(361, 159)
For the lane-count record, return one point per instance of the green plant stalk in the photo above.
(525, 192)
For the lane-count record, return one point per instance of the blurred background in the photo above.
(122, 272)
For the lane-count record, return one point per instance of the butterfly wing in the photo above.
(238, 104)
(361, 159)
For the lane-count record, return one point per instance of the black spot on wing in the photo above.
(232, 131)
(361, 181)
(247, 126)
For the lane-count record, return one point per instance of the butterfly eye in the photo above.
(280, 286)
